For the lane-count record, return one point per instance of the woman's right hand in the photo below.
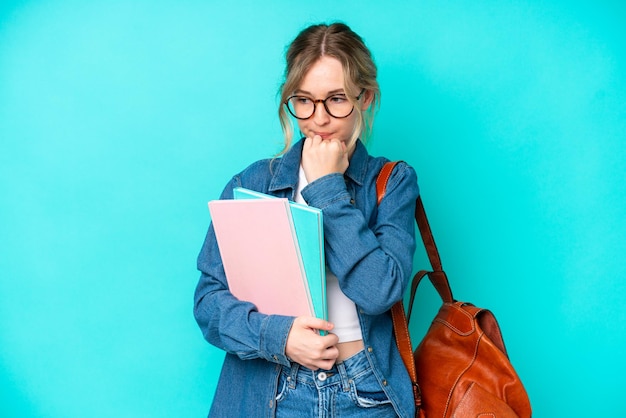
(310, 349)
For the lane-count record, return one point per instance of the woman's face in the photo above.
(325, 79)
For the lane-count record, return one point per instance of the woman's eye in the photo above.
(337, 99)
(302, 100)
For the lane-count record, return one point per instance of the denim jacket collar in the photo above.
(286, 174)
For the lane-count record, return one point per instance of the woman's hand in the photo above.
(323, 156)
(306, 347)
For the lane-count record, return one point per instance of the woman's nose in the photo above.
(321, 116)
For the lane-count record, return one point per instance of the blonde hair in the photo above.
(338, 41)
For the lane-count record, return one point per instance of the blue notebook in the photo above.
(309, 227)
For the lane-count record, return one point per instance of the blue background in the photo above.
(119, 120)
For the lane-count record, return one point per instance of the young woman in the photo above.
(281, 366)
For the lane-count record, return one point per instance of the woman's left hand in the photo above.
(323, 156)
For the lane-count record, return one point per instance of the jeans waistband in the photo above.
(340, 374)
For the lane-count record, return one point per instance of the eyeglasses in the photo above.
(338, 106)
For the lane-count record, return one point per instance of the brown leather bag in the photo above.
(460, 368)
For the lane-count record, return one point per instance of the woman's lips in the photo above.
(324, 135)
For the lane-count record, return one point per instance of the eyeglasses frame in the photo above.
(323, 102)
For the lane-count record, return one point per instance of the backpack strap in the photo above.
(437, 276)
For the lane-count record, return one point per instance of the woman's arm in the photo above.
(373, 265)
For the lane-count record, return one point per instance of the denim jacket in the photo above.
(369, 247)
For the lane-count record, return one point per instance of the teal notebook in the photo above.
(309, 227)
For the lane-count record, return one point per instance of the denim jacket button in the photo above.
(322, 376)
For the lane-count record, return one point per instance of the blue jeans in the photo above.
(349, 389)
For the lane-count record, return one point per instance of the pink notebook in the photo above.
(260, 254)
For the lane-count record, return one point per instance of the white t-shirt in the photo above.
(341, 310)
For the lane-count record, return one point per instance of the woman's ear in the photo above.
(368, 96)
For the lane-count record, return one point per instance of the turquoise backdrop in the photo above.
(120, 119)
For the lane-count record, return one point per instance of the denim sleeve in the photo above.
(372, 260)
(230, 324)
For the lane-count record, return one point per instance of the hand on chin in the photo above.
(323, 156)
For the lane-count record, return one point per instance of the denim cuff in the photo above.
(326, 190)
(274, 332)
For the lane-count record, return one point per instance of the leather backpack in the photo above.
(460, 369)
